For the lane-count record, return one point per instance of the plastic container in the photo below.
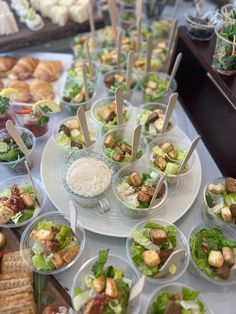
(178, 143)
(181, 244)
(20, 181)
(230, 234)
(80, 49)
(125, 134)
(107, 37)
(116, 262)
(18, 166)
(150, 107)
(76, 70)
(130, 211)
(164, 94)
(94, 132)
(86, 201)
(110, 66)
(26, 242)
(106, 101)
(172, 288)
(229, 12)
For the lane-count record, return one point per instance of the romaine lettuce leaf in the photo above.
(98, 267)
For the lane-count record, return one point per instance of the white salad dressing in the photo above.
(88, 177)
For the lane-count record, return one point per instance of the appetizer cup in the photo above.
(79, 49)
(14, 163)
(107, 37)
(68, 134)
(110, 87)
(148, 129)
(76, 70)
(85, 200)
(193, 267)
(107, 59)
(123, 134)
(27, 242)
(127, 206)
(21, 182)
(145, 31)
(159, 92)
(113, 123)
(229, 12)
(174, 288)
(177, 270)
(140, 65)
(179, 144)
(118, 263)
(161, 29)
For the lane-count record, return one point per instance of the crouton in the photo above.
(126, 148)
(109, 142)
(57, 260)
(223, 272)
(27, 200)
(41, 235)
(173, 308)
(159, 124)
(226, 214)
(151, 258)
(233, 210)
(89, 307)
(5, 214)
(118, 157)
(173, 154)
(216, 188)
(215, 259)
(149, 91)
(139, 63)
(79, 97)
(159, 112)
(228, 255)
(73, 124)
(109, 79)
(119, 78)
(230, 184)
(142, 197)
(135, 179)
(158, 236)
(160, 162)
(99, 284)
(70, 253)
(112, 107)
(152, 117)
(111, 288)
(148, 190)
(152, 85)
(167, 147)
(164, 254)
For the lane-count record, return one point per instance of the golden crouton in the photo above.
(226, 214)
(159, 124)
(73, 124)
(111, 288)
(151, 258)
(167, 147)
(142, 197)
(57, 260)
(148, 190)
(135, 179)
(5, 214)
(216, 188)
(215, 259)
(79, 97)
(106, 113)
(70, 253)
(230, 184)
(99, 284)
(160, 162)
(41, 235)
(109, 142)
(149, 91)
(173, 154)
(28, 201)
(126, 148)
(228, 255)
(152, 85)
(119, 78)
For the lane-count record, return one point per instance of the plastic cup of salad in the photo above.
(161, 51)
(229, 12)
(73, 96)
(133, 187)
(107, 59)
(117, 78)
(116, 145)
(181, 297)
(202, 27)
(49, 246)
(145, 31)
(165, 153)
(19, 190)
(103, 111)
(224, 58)
(78, 45)
(76, 70)
(220, 201)
(161, 29)
(140, 64)
(100, 273)
(86, 177)
(212, 248)
(154, 86)
(11, 156)
(107, 36)
(69, 136)
(142, 239)
(151, 117)
(127, 17)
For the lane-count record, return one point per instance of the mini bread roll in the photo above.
(49, 71)
(41, 90)
(23, 88)
(6, 64)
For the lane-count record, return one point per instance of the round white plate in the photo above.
(114, 223)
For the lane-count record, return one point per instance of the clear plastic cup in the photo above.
(145, 31)
(76, 70)
(127, 209)
(178, 143)
(106, 101)
(20, 181)
(229, 12)
(151, 107)
(116, 262)
(181, 244)
(210, 213)
(107, 67)
(172, 288)
(125, 134)
(127, 94)
(94, 132)
(80, 49)
(18, 166)
(26, 242)
(163, 96)
(230, 234)
(98, 201)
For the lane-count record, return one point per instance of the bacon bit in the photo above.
(100, 302)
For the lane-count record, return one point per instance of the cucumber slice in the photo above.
(3, 147)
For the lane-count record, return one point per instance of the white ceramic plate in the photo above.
(115, 223)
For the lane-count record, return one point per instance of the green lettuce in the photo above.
(98, 267)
